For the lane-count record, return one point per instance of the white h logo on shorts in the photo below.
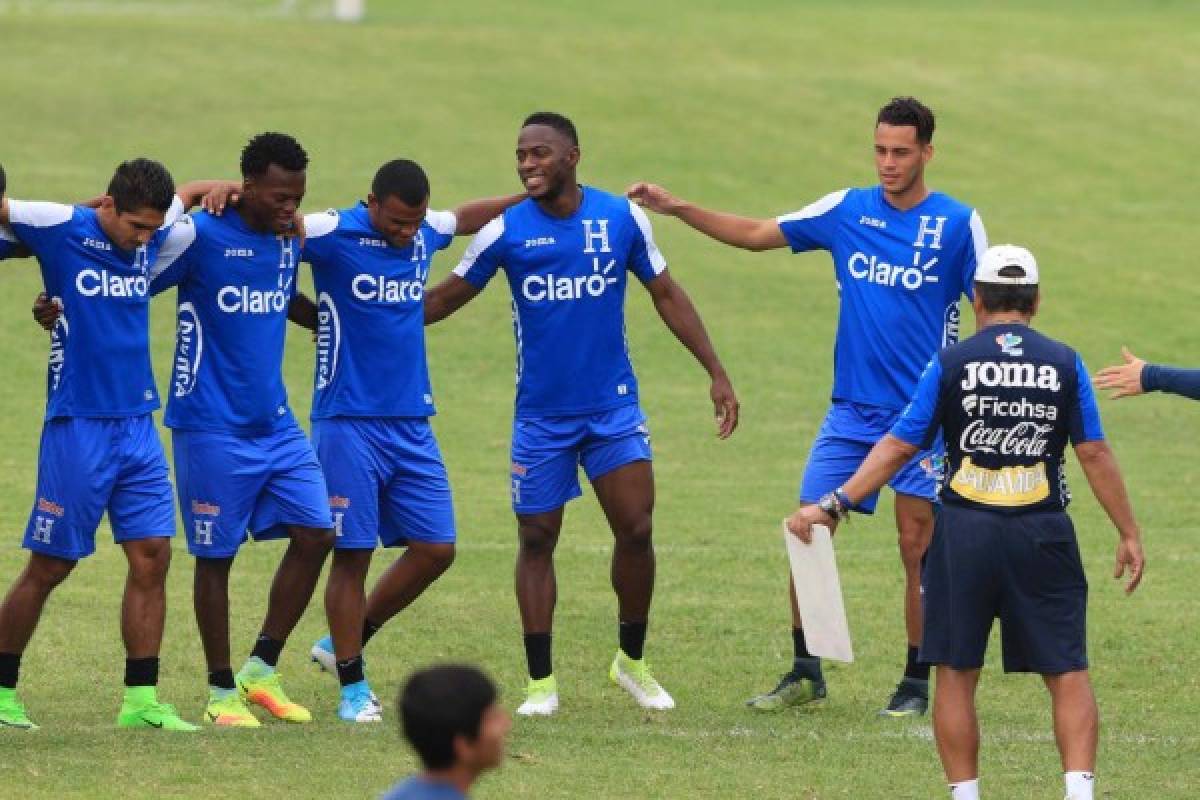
(204, 532)
(337, 522)
(41, 529)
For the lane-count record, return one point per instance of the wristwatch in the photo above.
(834, 505)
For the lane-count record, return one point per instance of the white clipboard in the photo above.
(819, 594)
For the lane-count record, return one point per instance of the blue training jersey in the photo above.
(568, 279)
(371, 314)
(8, 242)
(99, 363)
(900, 275)
(234, 288)
(1008, 400)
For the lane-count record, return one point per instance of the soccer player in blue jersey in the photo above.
(902, 257)
(100, 452)
(567, 252)
(242, 463)
(1008, 401)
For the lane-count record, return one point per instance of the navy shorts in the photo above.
(1024, 569)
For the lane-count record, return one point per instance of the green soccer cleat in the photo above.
(227, 709)
(12, 712)
(794, 689)
(261, 686)
(911, 699)
(635, 678)
(541, 698)
(142, 710)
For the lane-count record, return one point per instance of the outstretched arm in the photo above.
(1104, 476)
(1135, 377)
(474, 214)
(447, 297)
(744, 232)
(677, 311)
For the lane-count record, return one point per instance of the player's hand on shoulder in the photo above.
(46, 311)
(725, 406)
(1125, 380)
(800, 523)
(221, 196)
(653, 197)
(1130, 557)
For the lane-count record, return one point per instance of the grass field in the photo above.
(1071, 127)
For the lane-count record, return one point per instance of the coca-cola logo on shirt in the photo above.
(1025, 439)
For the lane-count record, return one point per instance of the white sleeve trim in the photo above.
(486, 237)
(444, 222)
(173, 213)
(182, 234)
(39, 215)
(321, 224)
(815, 209)
(657, 260)
(978, 237)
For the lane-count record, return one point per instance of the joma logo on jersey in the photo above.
(873, 270)
(872, 222)
(96, 244)
(1010, 374)
(551, 287)
(541, 241)
(90, 283)
(239, 252)
(382, 289)
(367, 241)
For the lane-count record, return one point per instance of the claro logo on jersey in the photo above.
(244, 300)
(189, 348)
(382, 289)
(329, 340)
(874, 270)
(92, 283)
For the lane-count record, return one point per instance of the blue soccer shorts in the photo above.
(1024, 569)
(231, 486)
(548, 451)
(847, 435)
(88, 466)
(387, 482)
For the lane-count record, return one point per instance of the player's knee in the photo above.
(440, 556)
(536, 540)
(636, 535)
(149, 564)
(47, 573)
(913, 537)
(315, 542)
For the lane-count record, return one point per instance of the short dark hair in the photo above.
(402, 179)
(266, 149)
(908, 111)
(552, 120)
(3, 181)
(141, 183)
(1007, 296)
(439, 703)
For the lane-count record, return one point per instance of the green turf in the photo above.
(1071, 129)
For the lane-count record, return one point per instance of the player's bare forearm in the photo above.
(1104, 476)
(447, 297)
(885, 459)
(4, 219)
(744, 232)
(303, 311)
(474, 214)
(680, 316)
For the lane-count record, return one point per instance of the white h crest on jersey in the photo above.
(420, 253)
(590, 237)
(934, 230)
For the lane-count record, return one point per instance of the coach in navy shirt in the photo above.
(1007, 401)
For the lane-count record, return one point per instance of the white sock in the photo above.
(1079, 785)
(965, 790)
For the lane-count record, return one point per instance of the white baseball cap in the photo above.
(1006, 257)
